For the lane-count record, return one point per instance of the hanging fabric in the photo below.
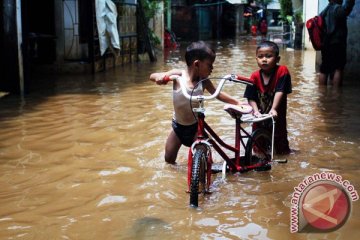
(106, 21)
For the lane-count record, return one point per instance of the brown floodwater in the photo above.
(81, 157)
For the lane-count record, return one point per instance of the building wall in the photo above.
(206, 21)
(157, 24)
(311, 9)
(10, 78)
(353, 50)
(73, 48)
(297, 4)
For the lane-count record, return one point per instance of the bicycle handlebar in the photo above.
(243, 80)
(229, 77)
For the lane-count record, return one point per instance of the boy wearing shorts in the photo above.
(199, 59)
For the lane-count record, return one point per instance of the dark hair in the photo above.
(269, 44)
(199, 51)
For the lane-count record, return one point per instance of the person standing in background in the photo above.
(263, 28)
(333, 53)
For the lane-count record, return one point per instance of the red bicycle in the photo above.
(258, 144)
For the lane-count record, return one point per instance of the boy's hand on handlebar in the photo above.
(273, 112)
(257, 114)
(162, 80)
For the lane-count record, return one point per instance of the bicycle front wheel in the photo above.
(258, 148)
(198, 176)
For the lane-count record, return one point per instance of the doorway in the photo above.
(38, 23)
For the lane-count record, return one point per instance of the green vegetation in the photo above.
(286, 10)
(150, 9)
(298, 17)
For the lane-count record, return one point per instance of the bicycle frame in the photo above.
(208, 138)
(204, 143)
(240, 134)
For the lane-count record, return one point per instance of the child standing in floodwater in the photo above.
(272, 84)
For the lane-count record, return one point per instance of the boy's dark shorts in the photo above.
(333, 57)
(186, 134)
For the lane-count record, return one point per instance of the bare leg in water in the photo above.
(337, 78)
(323, 79)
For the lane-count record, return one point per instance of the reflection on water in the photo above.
(82, 157)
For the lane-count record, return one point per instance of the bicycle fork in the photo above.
(192, 150)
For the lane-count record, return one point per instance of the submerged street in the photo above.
(81, 156)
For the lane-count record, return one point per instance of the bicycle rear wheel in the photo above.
(258, 148)
(198, 176)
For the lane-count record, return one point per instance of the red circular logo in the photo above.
(325, 207)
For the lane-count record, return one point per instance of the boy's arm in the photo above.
(253, 104)
(277, 98)
(224, 97)
(251, 95)
(283, 88)
(227, 98)
(159, 76)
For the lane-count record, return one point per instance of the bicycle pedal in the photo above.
(216, 168)
(280, 160)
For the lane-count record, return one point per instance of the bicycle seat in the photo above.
(238, 110)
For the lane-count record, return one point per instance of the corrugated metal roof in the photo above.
(274, 5)
(238, 1)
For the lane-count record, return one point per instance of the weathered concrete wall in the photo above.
(353, 51)
(310, 9)
(157, 24)
(297, 4)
